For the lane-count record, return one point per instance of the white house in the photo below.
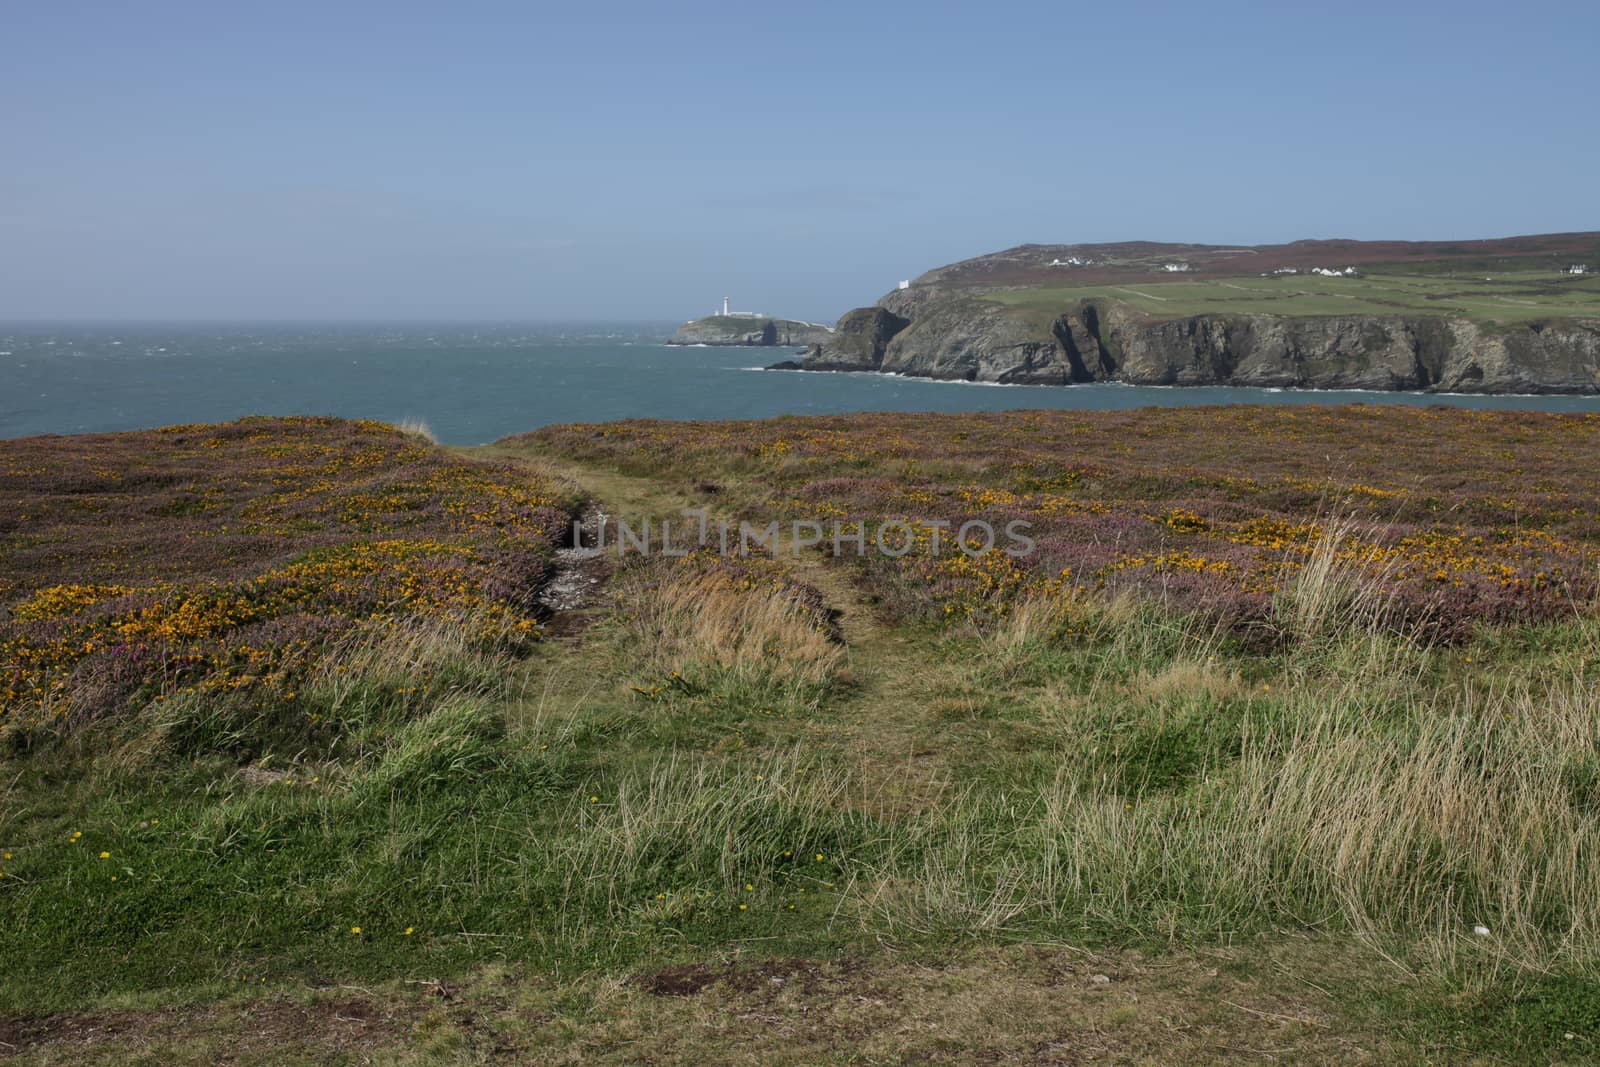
(1577, 268)
(1071, 261)
(1175, 268)
(905, 283)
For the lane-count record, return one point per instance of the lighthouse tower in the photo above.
(724, 307)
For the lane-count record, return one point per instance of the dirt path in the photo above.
(1022, 1005)
(885, 716)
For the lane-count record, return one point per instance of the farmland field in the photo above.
(319, 747)
(1513, 296)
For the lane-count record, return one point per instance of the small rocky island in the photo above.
(751, 331)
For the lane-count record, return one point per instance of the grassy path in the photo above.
(886, 718)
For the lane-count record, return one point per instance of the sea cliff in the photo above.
(965, 338)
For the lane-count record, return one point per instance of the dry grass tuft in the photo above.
(687, 623)
(415, 427)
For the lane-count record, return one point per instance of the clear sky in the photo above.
(587, 160)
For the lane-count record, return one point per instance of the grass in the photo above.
(1503, 297)
(783, 810)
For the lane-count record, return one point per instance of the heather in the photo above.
(216, 565)
(1453, 518)
(815, 805)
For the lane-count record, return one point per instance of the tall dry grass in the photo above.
(1334, 591)
(1418, 826)
(415, 427)
(391, 673)
(698, 625)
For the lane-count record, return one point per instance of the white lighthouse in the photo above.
(724, 307)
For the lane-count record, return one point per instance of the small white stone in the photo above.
(1099, 979)
(1481, 930)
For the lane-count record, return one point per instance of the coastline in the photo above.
(1593, 394)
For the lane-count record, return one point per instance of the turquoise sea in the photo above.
(474, 384)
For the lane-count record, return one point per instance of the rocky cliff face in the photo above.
(976, 340)
(926, 334)
(749, 330)
(858, 342)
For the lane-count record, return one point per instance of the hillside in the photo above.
(1050, 265)
(1474, 316)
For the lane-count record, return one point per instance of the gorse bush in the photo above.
(1453, 517)
(217, 563)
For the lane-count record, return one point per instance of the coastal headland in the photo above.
(1515, 315)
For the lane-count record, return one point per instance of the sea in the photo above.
(472, 384)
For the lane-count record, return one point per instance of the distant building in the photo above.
(1578, 268)
(725, 313)
(1071, 261)
(905, 283)
(1176, 268)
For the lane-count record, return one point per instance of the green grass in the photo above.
(1518, 296)
(908, 818)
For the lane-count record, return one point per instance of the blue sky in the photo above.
(640, 160)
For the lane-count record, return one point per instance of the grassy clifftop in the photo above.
(1506, 280)
(1513, 296)
(1255, 750)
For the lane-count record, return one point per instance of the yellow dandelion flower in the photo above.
(744, 907)
(410, 930)
(819, 857)
(105, 855)
(355, 929)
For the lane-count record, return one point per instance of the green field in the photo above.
(1502, 298)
